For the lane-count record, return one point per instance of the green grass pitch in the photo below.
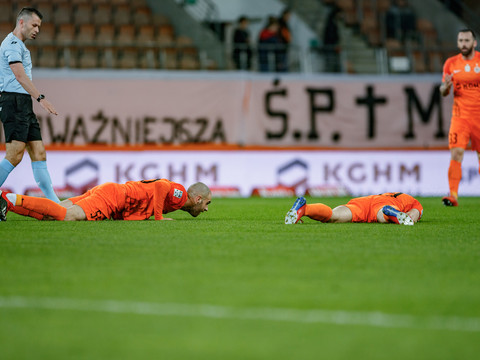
(236, 283)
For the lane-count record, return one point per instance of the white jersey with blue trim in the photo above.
(13, 50)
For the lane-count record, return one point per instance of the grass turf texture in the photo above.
(241, 255)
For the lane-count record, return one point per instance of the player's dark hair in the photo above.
(468, 30)
(29, 11)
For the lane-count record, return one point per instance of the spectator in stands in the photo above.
(22, 131)
(268, 43)
(400, 21)
(331, 40)
(285, 40)
(242, 52)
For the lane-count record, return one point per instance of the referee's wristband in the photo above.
(40, 97)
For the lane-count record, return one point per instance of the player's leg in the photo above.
(66, 203)
(319, 212)
(41, 206)
(341, 214)
(75, 213)
(296, 212)
(458, 139)
(454, 176)
(300, 208)
(25, 212)
(389, 214)
(38, 155)
(14, 151)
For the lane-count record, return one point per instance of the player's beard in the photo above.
(466, 52)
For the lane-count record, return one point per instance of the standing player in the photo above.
(398, 208)
(20, 124)
(462, 72)
(134, 200)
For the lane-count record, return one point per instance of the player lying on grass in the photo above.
(398, 208)
(134, 200)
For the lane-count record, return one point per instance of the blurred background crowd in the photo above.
(343, 36)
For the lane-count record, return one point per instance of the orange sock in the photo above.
(454, 177)
(319, 212)
(21, 211)
(44, 207)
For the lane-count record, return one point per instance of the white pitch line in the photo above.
(314, 316)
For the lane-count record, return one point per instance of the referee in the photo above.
(21, 127)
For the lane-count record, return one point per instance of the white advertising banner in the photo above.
(361, 172)
(350, 112)
(156, 108)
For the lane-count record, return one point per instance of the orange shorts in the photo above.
(461, 131)
(365, 209)
(101, 202)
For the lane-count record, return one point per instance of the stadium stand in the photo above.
(65, 34)
(122, 15)
(86, 58)
(83, 14)
(135, 33)
(6, 13)
(104, 33)
(48, 34)
(62, 13)
(102, 14)
(146, 35)
(366, 42)
(125, 35)
(85, 35)
(423, 46)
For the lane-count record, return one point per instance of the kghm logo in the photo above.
(82, 175)
(294, 174)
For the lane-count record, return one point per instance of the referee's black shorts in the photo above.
(19, 120)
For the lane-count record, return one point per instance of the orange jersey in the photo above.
(466, 85)
(134, 200)
(365, 209)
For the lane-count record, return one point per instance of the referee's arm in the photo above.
(27, 84)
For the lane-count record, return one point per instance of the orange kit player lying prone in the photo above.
(398, 208)
(134, 200)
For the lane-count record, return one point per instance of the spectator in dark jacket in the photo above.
(400, 21)
(331, 40)
(286, 39)
(242, 52)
